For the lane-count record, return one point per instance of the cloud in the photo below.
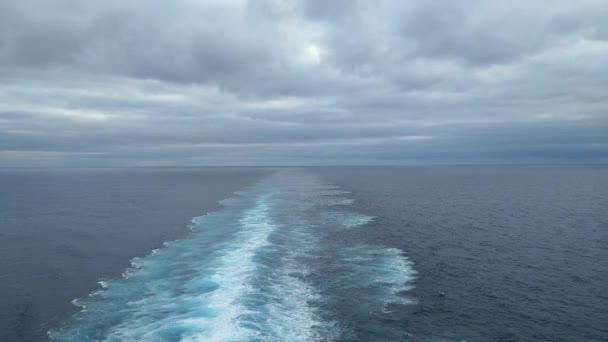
(302, 82)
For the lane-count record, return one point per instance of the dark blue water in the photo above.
(352, 254)
(521, 252)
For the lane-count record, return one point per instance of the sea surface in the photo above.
(469, 253)
(63, 230)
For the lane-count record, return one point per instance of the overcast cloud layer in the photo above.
(270, 82)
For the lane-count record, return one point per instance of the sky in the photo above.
(294, 82)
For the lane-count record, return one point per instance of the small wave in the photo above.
(383, 274)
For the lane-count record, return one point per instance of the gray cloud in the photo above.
(302, 82)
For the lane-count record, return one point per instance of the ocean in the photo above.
(63, 230)
(459, 253)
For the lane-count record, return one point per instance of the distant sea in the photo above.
(459, 253)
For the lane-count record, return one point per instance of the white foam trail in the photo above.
(232, 276)
(246, 273)
(218, 307)
(218, 320)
